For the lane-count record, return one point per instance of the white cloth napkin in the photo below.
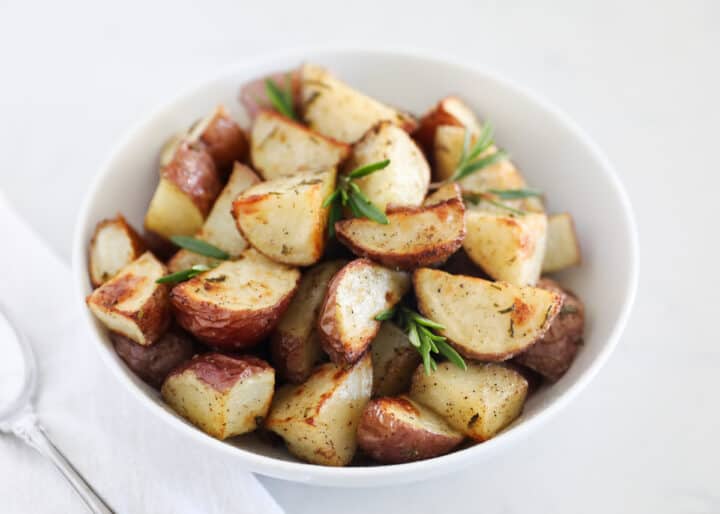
(134, 461)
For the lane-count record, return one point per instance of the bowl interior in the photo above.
(551, 152)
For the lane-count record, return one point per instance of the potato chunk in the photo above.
(485, 320)
(281, 146)
(318, 419)
(295, 344)
(478, 402)
(394, 361)
(395, 430)
(562, 249)
(131, 303)
(450, 111)
(114, 245)
(507, 247)
(334, 109)
(219, 228)
(224, 396)
(405, 180)
(357, 293)
(284, 218)
(221, 137)
(237, 304)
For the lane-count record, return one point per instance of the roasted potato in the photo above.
(413, 237)
(318, 419)
(295, 344)
(449, 191)
(222, 395)
(284, 218)
(460, 264)
(237, 304)
(219, 228)
(450, 111)
(394, 361)
(478, 402)
(335, 110)
(223, 139)
(485, 320)
(153, 363)
(114, 245)
(508, 247)
(562, 249)
(253, 95)
(553, 354)
(357, 293)
(281, 146)
(395, 430)
(188, 187)
(404, 181)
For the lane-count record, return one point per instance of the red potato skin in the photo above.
(193, 171)
(254, 98)
(138, 244)
(225, 141)
(288, 357)
(387, 439)
(222, 372)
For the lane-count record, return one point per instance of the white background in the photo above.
(643, 78)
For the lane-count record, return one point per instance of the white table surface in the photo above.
(641, 77)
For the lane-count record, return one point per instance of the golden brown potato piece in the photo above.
(237, 304)
(414, 236)
(224, 396)
(335, 110)
(449, 191)
(395, 430)
(450, 111)
(318, 419)
(478, 402)
(219, 228)
(508, 247)
(281, 146)
(562, 249)
(114, 245)
(131, 303)
(404, 181)
(485, 320)
(223, 139)
(553, 354)
(188, 187)
(357, 293)
(295, 344)
(153, 363)
(394, 361)
(284, 218)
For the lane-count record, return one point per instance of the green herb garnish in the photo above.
(200, 247)
(281, 99)
(348, 194)
(515, 194)
(186, 274)
(470, 160)
(420, 332)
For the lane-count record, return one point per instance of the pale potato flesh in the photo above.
(284, 218)
(394, 361)
(562, 249)
(449, 191)
(318, 419)
(485, 320)
(280, 146)
(114, 246)
(478, 402)
(172, 212)
(507, 247)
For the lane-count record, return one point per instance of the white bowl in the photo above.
(553, 153)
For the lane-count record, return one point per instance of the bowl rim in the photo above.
(382, 474)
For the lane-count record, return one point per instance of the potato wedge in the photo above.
(237, 304)
(295, 344)
(394, 361)
(404, 181)
(449, 191)
(318, 419)
(334, 109)
(395, 430)
(450, 111)
(221, 137)
(413, 237)
(219, 229)
(131, 303)
(284, 218)
(281, 146)
(114, 245)
(508, 247)
(562, 249)
(357, 293)
(222, 395)
(478, 402)
(485, 320)
(187, 189)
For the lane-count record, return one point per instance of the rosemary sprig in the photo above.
(281, 99)
(420, 332)
(516, 194)
(183, 275)
(200, 247)
(470, 160)
(348, 194)
(489, 198)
